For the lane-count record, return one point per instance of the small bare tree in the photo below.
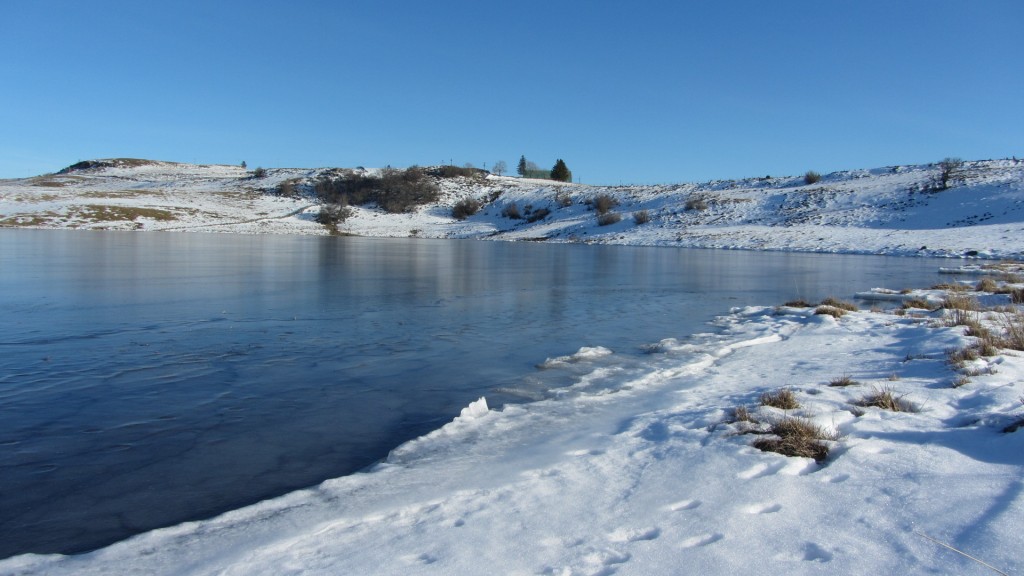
(499, 168)
(948, 171)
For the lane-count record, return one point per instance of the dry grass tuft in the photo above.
(959, 357)
(1017, 295)
(783, 399)
(741, 414)
(885, 399)
(961, 380)
(830, 311)
(841, 304)
(961, 302)
(1012, 325)
(961, 317)
(796, 437)
(986, 285)
(951, 287)
(843, 381)
(918, 303)
(798, 303)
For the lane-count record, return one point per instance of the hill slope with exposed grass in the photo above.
(893, 210)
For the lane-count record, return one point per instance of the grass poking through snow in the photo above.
(783, 399)
(843, 381)
(796, 437)
(885, 399)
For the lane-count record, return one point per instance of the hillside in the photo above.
(892, 210)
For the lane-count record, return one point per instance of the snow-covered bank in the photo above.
(896, 210)
(644, 470)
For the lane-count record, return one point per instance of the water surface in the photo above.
(152, 378)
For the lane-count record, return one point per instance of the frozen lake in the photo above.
(147, 379)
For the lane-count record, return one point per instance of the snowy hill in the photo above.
(893, 210)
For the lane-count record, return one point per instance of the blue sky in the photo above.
(642, 92)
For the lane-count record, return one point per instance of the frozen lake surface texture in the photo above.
(149, 379)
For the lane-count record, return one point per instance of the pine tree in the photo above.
(521, 169)
(561, 172)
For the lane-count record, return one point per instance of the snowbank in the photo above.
(653, 474)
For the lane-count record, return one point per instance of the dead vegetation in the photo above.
(783, 399)
(840, 304)
(832, 311)
(842, 382)
(885, 399)
(796, 437)
(103, 213)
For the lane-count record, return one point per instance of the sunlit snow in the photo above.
(651, 473)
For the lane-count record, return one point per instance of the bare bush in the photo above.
(603, 203)
(465, 208)
(641, 217)
(511, 212)
(289, 188)
(537, 215)
(811, 177)
(608, 218)
(696, 204)
(331, 215)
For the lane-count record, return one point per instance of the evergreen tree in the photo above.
(561, 172)
(521, 169)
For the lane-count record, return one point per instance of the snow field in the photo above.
(640, 471)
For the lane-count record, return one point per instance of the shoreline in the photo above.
(655, 471)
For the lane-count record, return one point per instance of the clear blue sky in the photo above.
(637, 92)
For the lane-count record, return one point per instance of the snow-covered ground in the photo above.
(893, 210)
(647, 469)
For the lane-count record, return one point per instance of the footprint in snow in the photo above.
(634, 534)
(684, 505)
(760, 470)
(809, 552)
(764, 508)
(702, 540)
